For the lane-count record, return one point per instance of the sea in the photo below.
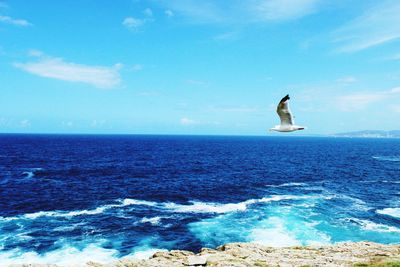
(68, 199)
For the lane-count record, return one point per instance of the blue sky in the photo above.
(198, 67)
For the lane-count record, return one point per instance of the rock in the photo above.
(197, 260)
(33, 265)
(250, 255)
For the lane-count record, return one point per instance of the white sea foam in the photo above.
(356, 204)
(387, 158)
(394, 212)
(375, 227)
(275, 235)
(154, 220)
(28, 174)
(68, 214)
(201, 207)
(283, 197)
(68, 227)
(391, 182)
(293, 184)
(192, 207)
(65, 256)
(131, 201)
(71, 256)
(144, 254)
(209, 207)
(277, 232)
(7, 219)
(31, 172)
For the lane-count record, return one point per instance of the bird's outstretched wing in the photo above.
(283, 111)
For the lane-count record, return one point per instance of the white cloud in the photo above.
(278, 10)
(148, 93)
(148, 12)
(395, 57)
(396, 108)
(187, 121)
(57, 68)
(35, 53)
(242, 12)
(4, 122)
(132, 23)
(199, 11)
(359, 101)
(226, 36)
(137, 67)
(196, 82)
(347, 79)
(97, 123)
(17, 22)
(378, 25)
(25, 123)
(68, 124)
(239, 109)
(169, 13)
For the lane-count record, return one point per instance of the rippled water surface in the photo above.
(106, 197)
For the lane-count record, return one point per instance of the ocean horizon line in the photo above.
(167, 134)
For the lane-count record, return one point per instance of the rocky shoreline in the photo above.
(251, 254)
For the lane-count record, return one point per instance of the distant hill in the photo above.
(371, 134)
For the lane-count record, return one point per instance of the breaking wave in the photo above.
(294, 184)
(192, 207)
(375, 227)
(394, 212)
(69, 255)
(31, 173)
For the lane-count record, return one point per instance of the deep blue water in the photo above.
(105, 197)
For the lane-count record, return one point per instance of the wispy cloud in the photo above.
(16, 22)
(57, 68)
(35, 53)
(378, 25)
(196, 82)
(396, 108)
(169, 13)
(359, 101)
(395, 57)
(149, 93)
(4, 122)
(25, 123)
(137, 67)
(148, 12)
(278, 10)
(67, 124)
(187, 121)
(239, 109)
(347, 79)
(242, 12)
(97, 123)
(227, 36)
(132, 23)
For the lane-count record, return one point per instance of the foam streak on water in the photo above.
(394, 212)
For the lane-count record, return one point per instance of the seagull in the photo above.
(287, 122)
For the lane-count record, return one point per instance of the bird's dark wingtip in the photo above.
(285, 98)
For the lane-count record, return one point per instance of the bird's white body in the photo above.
(287, 122)
(287, 128)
